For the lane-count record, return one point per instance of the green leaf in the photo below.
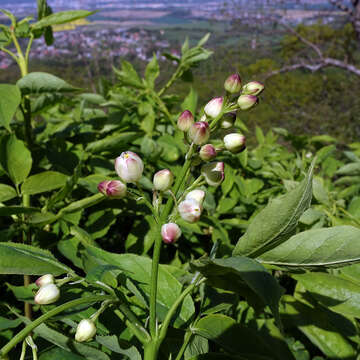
(7, 192)
(152, 71)
(138, 268)
(277, 221)
(319, 191)
(128, 75)
(197, 345)
(61, 17)
(239, 339)
(8, 324)
(246, 270)
(338, 294)
(41, 82)
(349, 169)
(115, 142)
(329, 247)
(16, 210)
(10, 98)
(190, 102)
(59, 354)
(28, 260)
(114, 344)
(45, 181)
(322, 327)
(15, 158)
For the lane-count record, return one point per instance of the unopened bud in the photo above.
(213, 107)
(228, 120)
(170, 233)
(207, 152)
(85, 330)
(213, 173)
(129, 167)
(103, 186)
(116, 189)
(190, 210)
(44, 280)
(233, 84)
(253, 88)
(246, 102)
(235, 142)
(186, 119)
(47, 294)
(199, 132)
(197, 195)
(163, 180)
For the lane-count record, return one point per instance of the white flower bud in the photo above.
(233, 84)
(199, 132)
(197, 195)
(235, 142)
(170, 232)
(253, 88)
(190, 210)
(213, 173)
(85, 330)
(44, 280)
(163, 180)
(213, 107)
(129, 167)
(246, 102)
(47, 294)
(207, 152)
(186, 119)
(116, 189)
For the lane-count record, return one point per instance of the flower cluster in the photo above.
(220, 112)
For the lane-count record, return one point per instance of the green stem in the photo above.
(27, 330)
(173, 78)
(126, 315)
(187, 338)
(151, 350)
(174, 306)
(23, 350)
(10, 53)
(158, 243)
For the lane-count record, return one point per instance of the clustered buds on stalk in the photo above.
(85, 330)
(233, 84)
(170, 232)
(47, 294)
(129, 167)
(213, 173)
(235, 142)
(207, 152)
(253, 88)
(186, 119)
(246, 102)
(163, 180)
(213, 107)
(199, 132)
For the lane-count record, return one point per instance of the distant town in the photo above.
(123, 29)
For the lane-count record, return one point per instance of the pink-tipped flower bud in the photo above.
(170, 232)
(233, 84)
(207, 152)
(213, 107)
(116, 189)
(103, 186)
(199, 132)
(246, 102)
(228, 120)
(85, 330)
(197, 195)
(186, 119)
(47, 294)
(129, 167)
(190, 210)
(253, 88)
(213, 173)
(235, 142)
(44, 280)
(163, 180)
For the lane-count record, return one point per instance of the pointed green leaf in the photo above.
(28, 260)
(330, 247)
(61, 17)
(10, 98)
(152, 71)
(45, 181)
(7, 192)
(277, 221)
